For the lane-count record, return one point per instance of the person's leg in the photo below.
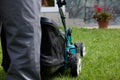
(21, 19)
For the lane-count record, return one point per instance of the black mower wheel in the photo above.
(75, 65)
(82, 49)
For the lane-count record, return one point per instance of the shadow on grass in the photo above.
(57, 75)
(62, 73)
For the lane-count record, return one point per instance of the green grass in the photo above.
(102, 61)
(2, 73)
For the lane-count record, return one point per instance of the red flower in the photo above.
(98, 9)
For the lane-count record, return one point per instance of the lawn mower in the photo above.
(57, 49)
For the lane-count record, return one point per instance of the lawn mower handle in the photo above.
(61, 3)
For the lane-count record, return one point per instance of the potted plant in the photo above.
(102, 16)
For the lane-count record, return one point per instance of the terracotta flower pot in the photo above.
(103, 24)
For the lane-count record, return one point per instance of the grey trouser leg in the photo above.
(21, 20)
